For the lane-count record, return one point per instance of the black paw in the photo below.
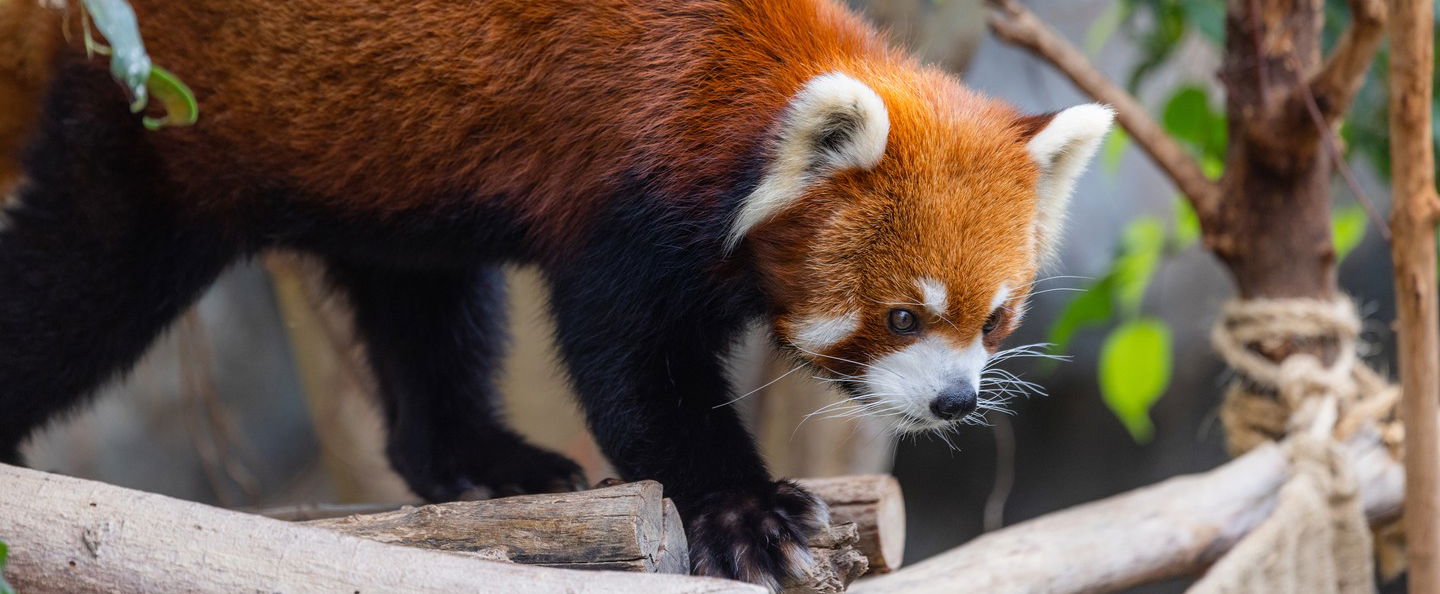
(515, 469)
(757, 535)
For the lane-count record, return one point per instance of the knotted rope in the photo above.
(1274, 399)
(1311, 402)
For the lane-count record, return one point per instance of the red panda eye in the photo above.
(903, 321)
(992, 322)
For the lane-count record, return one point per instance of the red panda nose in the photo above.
(954, 403)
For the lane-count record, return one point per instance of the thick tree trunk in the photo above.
(1272, 227)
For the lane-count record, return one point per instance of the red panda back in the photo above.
(381, 106)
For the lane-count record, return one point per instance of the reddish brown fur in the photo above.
(953, 200)
(634, 80)
(29, 36)
(293, 91)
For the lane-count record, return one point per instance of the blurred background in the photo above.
(257, 398)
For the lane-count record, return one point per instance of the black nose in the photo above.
(954, 403)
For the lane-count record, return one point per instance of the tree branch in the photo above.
(1343, 73)
(1013, 24)
(1174, 528)
(1334, 84)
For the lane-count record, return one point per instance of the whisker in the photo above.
(771, 383)
(844, 360)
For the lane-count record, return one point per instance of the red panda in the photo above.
(675, 168)
(28, 39)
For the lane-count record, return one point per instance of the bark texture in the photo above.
(1412, 224)
(1170, 529)
(629, 527)
(876, 506)
(78, 536)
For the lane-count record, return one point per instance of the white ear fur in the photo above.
(1062, 149)
(833, 123)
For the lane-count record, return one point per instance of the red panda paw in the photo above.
(757, 535)
(525, 470)
(497, 470)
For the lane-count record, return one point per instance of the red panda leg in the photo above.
(436, 340)
(92, 266)
(643, 328)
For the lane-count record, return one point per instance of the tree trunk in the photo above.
(1416, 210)
(1272, 227)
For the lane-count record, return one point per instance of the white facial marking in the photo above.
(1001, 296)
(911, 378)
(825, 103)
(934, 296)
(820, 333)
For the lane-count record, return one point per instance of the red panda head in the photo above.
(898, 226)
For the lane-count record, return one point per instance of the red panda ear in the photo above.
(834, 123)
(1061, 144)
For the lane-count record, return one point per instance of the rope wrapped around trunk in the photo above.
(1272, 399)
(1311, 403)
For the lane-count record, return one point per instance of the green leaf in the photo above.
(179, 102)
(1114, 149)
(4, 554)
(1189, 118)
(1187, 224)
(1093, 307)
(1212, 167)
(1134, 372)
(1347, 229)
(1187, 115)
(1143, 245)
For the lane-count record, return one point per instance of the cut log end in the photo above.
(837, 562)
(876, 505)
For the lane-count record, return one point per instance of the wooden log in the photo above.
(629, 527)
(837, 562)
(78, 536)
(1170, 529)
(875, 504)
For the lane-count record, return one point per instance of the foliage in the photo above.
(1136, 359)
(1134, 371)
(130, 65)
(4, 554)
